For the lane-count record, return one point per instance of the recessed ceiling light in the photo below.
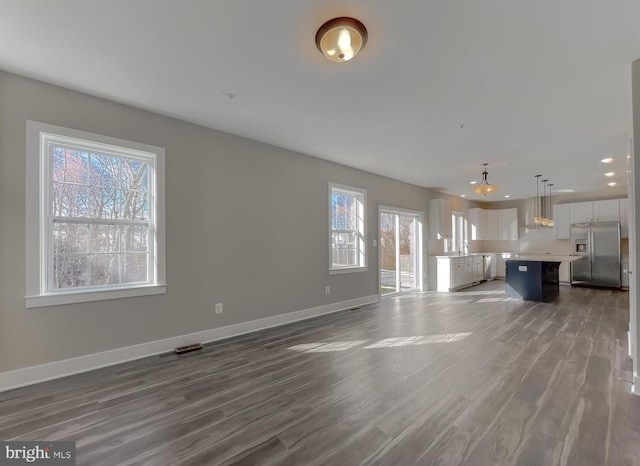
(607, 160)
(565, 190)
(463, 195)
(507, 195)
(473, 182)
(609, 173)
(613, 183)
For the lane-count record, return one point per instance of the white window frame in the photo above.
(361, 232)
(39, 244)
(459, 236)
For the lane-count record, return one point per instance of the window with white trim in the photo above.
(347, 229)
(95, 210)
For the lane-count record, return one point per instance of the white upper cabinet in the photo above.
(581, 212)
(562, 221)
(605, 211)
(507, 223)
(440, 222)
(493, 224)
(610, 210)
(493, 227)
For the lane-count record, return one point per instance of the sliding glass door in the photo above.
(400, 246)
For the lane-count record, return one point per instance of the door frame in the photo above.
(419, 273)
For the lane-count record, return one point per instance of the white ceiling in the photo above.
(441, 87)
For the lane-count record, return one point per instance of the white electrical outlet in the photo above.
(327, 290)
(219, 308)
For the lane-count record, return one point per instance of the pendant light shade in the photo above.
(484, 187)
(551, 223)
(537, 220)
(545, 219)
(340, 39)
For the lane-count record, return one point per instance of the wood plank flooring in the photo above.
(471, 378)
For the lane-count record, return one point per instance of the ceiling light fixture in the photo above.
(340, 39)
(609, 174)
(473, 182)
(545, 220)
(484, 187)
(507, 196)
(613, 183)
(537, 220)
(550, 222)
(607, 160)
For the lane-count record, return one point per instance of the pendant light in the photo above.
(537, 220)
(550, 222)
(340, 39)
(545, 220)
(484, 187)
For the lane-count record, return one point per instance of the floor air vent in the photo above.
(188, 348)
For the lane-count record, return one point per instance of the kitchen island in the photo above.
(534, 277)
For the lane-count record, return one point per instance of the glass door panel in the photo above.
(399, 252)
(407, 253)
(388, 267)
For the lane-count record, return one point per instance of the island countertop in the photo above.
(543, 258)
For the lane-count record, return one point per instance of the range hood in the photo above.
(533, 205)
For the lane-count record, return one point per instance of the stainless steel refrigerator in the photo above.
(599, 245)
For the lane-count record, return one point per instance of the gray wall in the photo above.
(246, 225)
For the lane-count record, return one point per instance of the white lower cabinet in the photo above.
(457, 272)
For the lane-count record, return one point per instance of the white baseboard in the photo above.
(53, 370)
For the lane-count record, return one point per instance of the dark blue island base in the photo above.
(532, 280)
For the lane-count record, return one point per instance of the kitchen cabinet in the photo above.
(439, 215)
(581, 212)
(493, 224)
(599, 211)
(624, 217)
(478, 227)
(507, 223)
(468, 270)
(606, 211)
(562, 221)
(493, 228)
(457, 272)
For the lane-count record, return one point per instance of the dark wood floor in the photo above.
(468, 378)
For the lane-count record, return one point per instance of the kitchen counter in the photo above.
(542, 257)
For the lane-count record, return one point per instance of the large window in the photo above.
(459, 226)
(347, 229)
(95, 226)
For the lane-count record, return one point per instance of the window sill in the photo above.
(347, 270)
(55, 299)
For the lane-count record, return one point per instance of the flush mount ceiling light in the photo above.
(607, 160)
(340, 39)
(609, 174)
(484, 187)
